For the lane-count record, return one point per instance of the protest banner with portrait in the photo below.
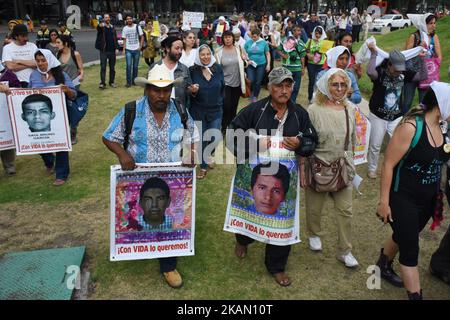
(39, 120)
(152, 212)
(264, 201)
(193, 19)
(6, 134)
(362, 137)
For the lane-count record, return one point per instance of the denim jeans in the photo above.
(132, 61)
(256, 76)
(109, 57)
(297, 76)
(313, 70)
(60, 162)
(209, 124)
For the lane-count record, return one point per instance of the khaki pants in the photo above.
(8, 157)
(343, 202)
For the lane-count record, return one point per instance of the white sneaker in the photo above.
(349, 260)
(372, 175)
(315, 244)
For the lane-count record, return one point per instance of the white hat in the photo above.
(158, 76)
(222, 18)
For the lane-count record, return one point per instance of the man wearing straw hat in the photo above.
(155, 135)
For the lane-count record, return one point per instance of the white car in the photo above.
(392, 21)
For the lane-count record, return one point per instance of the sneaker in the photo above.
(49, 171)
(113, 85)
(348, 259)
(315, 244)
(211, 162)
(372, 175)
(102, 86)
(127, 85)
(173, 279)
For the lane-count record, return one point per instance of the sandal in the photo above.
(240, 251)
(202, 174)
(282, 279)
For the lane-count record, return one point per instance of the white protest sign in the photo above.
(39, 120)
(193, 19)
(6, 135)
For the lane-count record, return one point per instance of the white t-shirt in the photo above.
(189, 60)
(172, 77)
(13, 52)
(133, 40)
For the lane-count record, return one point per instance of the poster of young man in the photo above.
(39, 120)
(6, 135)
(264, 199)
(152, 212)
(362, 137)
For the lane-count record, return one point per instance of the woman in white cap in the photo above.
(412, 167)
(333, 117)
(49, 73)
(424, 36)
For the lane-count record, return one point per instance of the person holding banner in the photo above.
(49, 73)
(274, 115)
(333, 116)
(156, 135)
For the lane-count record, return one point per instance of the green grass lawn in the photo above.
(35, 215)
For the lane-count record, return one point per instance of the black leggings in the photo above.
(230, 104)
(409, 220)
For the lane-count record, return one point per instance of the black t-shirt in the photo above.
(386, 102)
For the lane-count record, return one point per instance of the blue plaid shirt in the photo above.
(167, 225)
(148, 142)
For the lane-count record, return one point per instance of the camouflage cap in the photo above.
(278, 75)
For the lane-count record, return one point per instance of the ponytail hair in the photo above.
(429, 102)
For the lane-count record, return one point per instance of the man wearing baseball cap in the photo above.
(154, 137)
(386, 101)
(275, 115)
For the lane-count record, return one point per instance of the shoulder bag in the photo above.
(329, 177)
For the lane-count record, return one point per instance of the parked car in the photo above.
(392, 21)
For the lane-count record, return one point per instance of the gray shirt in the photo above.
(230, 65)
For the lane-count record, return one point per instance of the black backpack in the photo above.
(130, 115)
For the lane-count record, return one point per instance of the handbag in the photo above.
(329, 177)
(432, 65)
(77, 108)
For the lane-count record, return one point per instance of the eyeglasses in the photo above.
(339, 85)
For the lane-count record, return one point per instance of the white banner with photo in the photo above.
(6, 134)
(152, 212)
(264, 200)
(39, 120)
